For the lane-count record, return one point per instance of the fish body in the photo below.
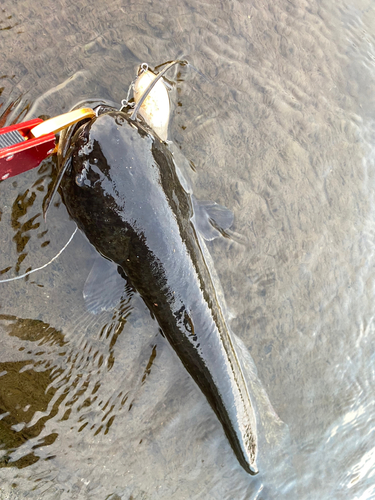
(122, 188)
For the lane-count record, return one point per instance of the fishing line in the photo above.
(45, 265)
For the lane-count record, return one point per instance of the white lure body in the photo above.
(156, 108)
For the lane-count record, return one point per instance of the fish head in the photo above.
(107, 166)
(107, 151)
(120, 184)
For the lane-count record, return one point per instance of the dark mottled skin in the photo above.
(122, 190)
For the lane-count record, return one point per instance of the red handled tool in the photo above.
(20, 151)
(24, 145)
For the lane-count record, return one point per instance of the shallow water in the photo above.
(281, 130)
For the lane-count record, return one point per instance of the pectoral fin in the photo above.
(212, 219)
(104, 286)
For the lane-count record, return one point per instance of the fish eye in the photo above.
(79, 180)
(82, 180)
(81, 177)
